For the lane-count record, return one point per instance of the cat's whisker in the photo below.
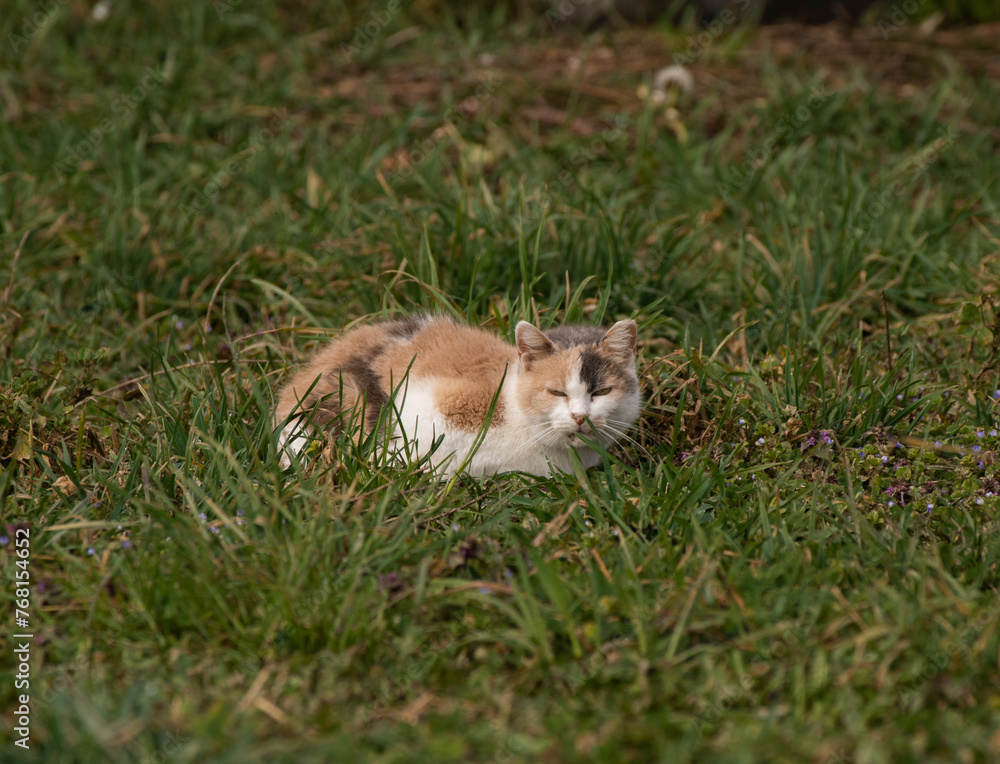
(622, 434)
(541, 437)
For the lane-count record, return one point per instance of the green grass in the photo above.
(757, 578)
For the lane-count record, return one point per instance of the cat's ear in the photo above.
(619, 341)
(531, 343)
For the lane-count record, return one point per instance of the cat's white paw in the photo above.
(292, 440)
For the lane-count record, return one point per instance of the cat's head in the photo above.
(576, 373)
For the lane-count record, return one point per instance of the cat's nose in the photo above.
(579, 418)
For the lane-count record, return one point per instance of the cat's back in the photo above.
(440, 348)
(421, 347)
(461, 365)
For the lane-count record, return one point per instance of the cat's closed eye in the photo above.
(602, 391)
(557, 393)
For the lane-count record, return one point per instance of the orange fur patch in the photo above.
(466, 365)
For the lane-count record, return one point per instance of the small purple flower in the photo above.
(454, 527)
(179, 324)
(484, 590)
(91, 550)
(979, 500)
(930, 507)
(742, 420)
(993, 433)
(996, 395)
(938, 444)
(760, 441)
(977, 449)
(214, 530)
(885, 459)
(899, 397)
(980, 433)
(126, 544)
(980, 465)
(892, 504)
(202, 516)
(4, 540)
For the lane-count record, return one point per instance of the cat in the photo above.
(440, 379)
